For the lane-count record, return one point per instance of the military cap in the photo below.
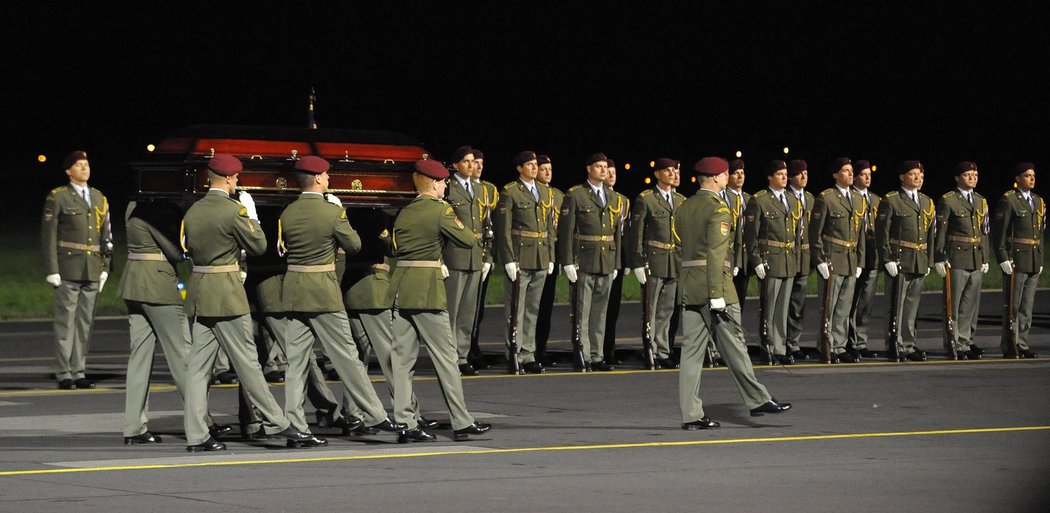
(523, 157)
(964, 167)
(663, 163)
(838, 164)
(774, 166)
(477, 154)
(796, 167)
(312, 164)
(595, 158)
(736, 164)
(225, 164)
(73, 158)
(543, 159)
(861, 164)
(711, 166)
(1023, 167)
(610, 162)
(432, 168)
(908, 165)
(461, 153)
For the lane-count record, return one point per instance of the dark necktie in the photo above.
(87, 198)
(535, 193)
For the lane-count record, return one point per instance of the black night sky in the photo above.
(935, 81)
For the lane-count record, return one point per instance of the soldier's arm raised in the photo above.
(453, 230)
(249, 233)
(345, 235)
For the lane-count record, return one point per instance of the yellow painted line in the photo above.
(514, 450)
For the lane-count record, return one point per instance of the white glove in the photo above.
(244, 276)
(102, 277)
(1007, 266)
(249, 204)
(570, 273)
(640, 274)
(550, 268)
(858, 273)
(892, 269)
(333, 199)
(54, 279)
(760, 271)
(1040, 270)
(927, 273)
(984, 267)
(485, 268)
(941, 269)
(512, 270)
(616, 272)
(824, 269)
(717, 303)
(736, 271)
(444, 272)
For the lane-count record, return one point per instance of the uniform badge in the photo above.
(384, 234)
(449, 212)
(48, 214)
(243, 212)
(342, 215)
(459, 224)
(723, 227)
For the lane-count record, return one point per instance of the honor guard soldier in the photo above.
(214, 231)
(588, 245)
(837, 245)
(962, 253)
(1017, 234)
(798, 177)
(737, 200)
(77, 245)
(309, 231)
(467, 267)
(487, 200)
(864, 290)
(543, 323)
(524, 236)
(650, 252)
(704, 225)
(770, 236)
(623, 206)
(417, 296)
(904, 229)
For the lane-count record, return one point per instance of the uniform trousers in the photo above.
(148, 324)
(74, 316)
(372, 331)
(1024, 298)
(778, 299)
(907, 309)
(543, 322)
(530, 289)
(594, 296)
(966, 298)
(860, 310)
(461, 290)
(661, 306)
(796, 311)
(841, 300)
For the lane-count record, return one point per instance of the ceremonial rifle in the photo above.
(949, 314)
(825, 328)
(513, 363)
(647, 325)
(578, 359)
(1011, 325)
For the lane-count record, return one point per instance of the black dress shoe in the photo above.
(799, 355)
(83, 383)
(666, 363)
(976, 350)
(846, 358)
(415, 435)
(532, 368)
(917, 356)
(325, 418)
(704, 423)
(219, 429)
(209, 445)
(770, 407)
(425, 423)
(294, 435)
(310, 441)
(274, 377)
(866, 353)
(249, 435)
(467, 369)
(67, 384)
(784, 359)
(476, 428)
(390, 426)
(601, 367)
(144, 438)
(348, 424)
(1025, 353)
(225, 378)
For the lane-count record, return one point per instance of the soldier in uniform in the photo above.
(487, 200)
(1017, 235)
(770, 232)
(798, 177)
(588, 248)
(310, 229)
(543, 322)
(650, 252)
(737, 200)
(524, 237)
(904, 229)
(705, 226)
(623, 206)
(417, 297)
(77, 246)
(864, 291)
(962, 246)
(837, 245)
(467, 267)
(214, 231)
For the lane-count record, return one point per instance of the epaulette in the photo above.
(57, 190)
(761, 193)
(827, 191)
(947, 194)
(509, 185)
(891, 193)
(1011, 192)
(677, 195)
(647, 192)
(722, 210)
(574, 187)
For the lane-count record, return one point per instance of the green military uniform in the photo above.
(612, 311)
(962, 242)
(650, 244)
(1017, 234)
(487, 200)
(149, 287)
(705, 225)
(589, 237)
(417, 295)
(464, 265)
(770, 236)
(76, 243)
(864, 291)
(904, 234)
(836, 237)
(543, 322)
(524, 231)
(797, 307)
(737, 201)
(310, 230)
(215, 229)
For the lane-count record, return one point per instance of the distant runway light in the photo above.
(873, 168)
(785, 150)
(693, 179)
(41, 158)
(739, 154)
(150, 147)
(652, 163)
(627, 166)
(648, 180)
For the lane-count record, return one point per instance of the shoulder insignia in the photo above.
(891, 194)
(948, 194)
(508, 186)
(449, 212)
(677, 195)
(243, 212)
(761, 193)
(723, 227)
(442, 201)
(647, 192)
(459, 224)
(1009, 193)
(827, 191)
(342, 214)
(384, 234)
(722, 210)
(573, 188)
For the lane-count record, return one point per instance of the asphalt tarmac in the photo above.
(875, 436)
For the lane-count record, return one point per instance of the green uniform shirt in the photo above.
(705, 226)
(524, 226)
(75, 237)
(835, 231)
(962, 231)
(309, 232)
(770, 231)
(469, 213)
(650, 239)
(1017, 230)
(150, 281)
(588, 232)
(900, 220)
(805, 264)
(871, 206)
(737, 204)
